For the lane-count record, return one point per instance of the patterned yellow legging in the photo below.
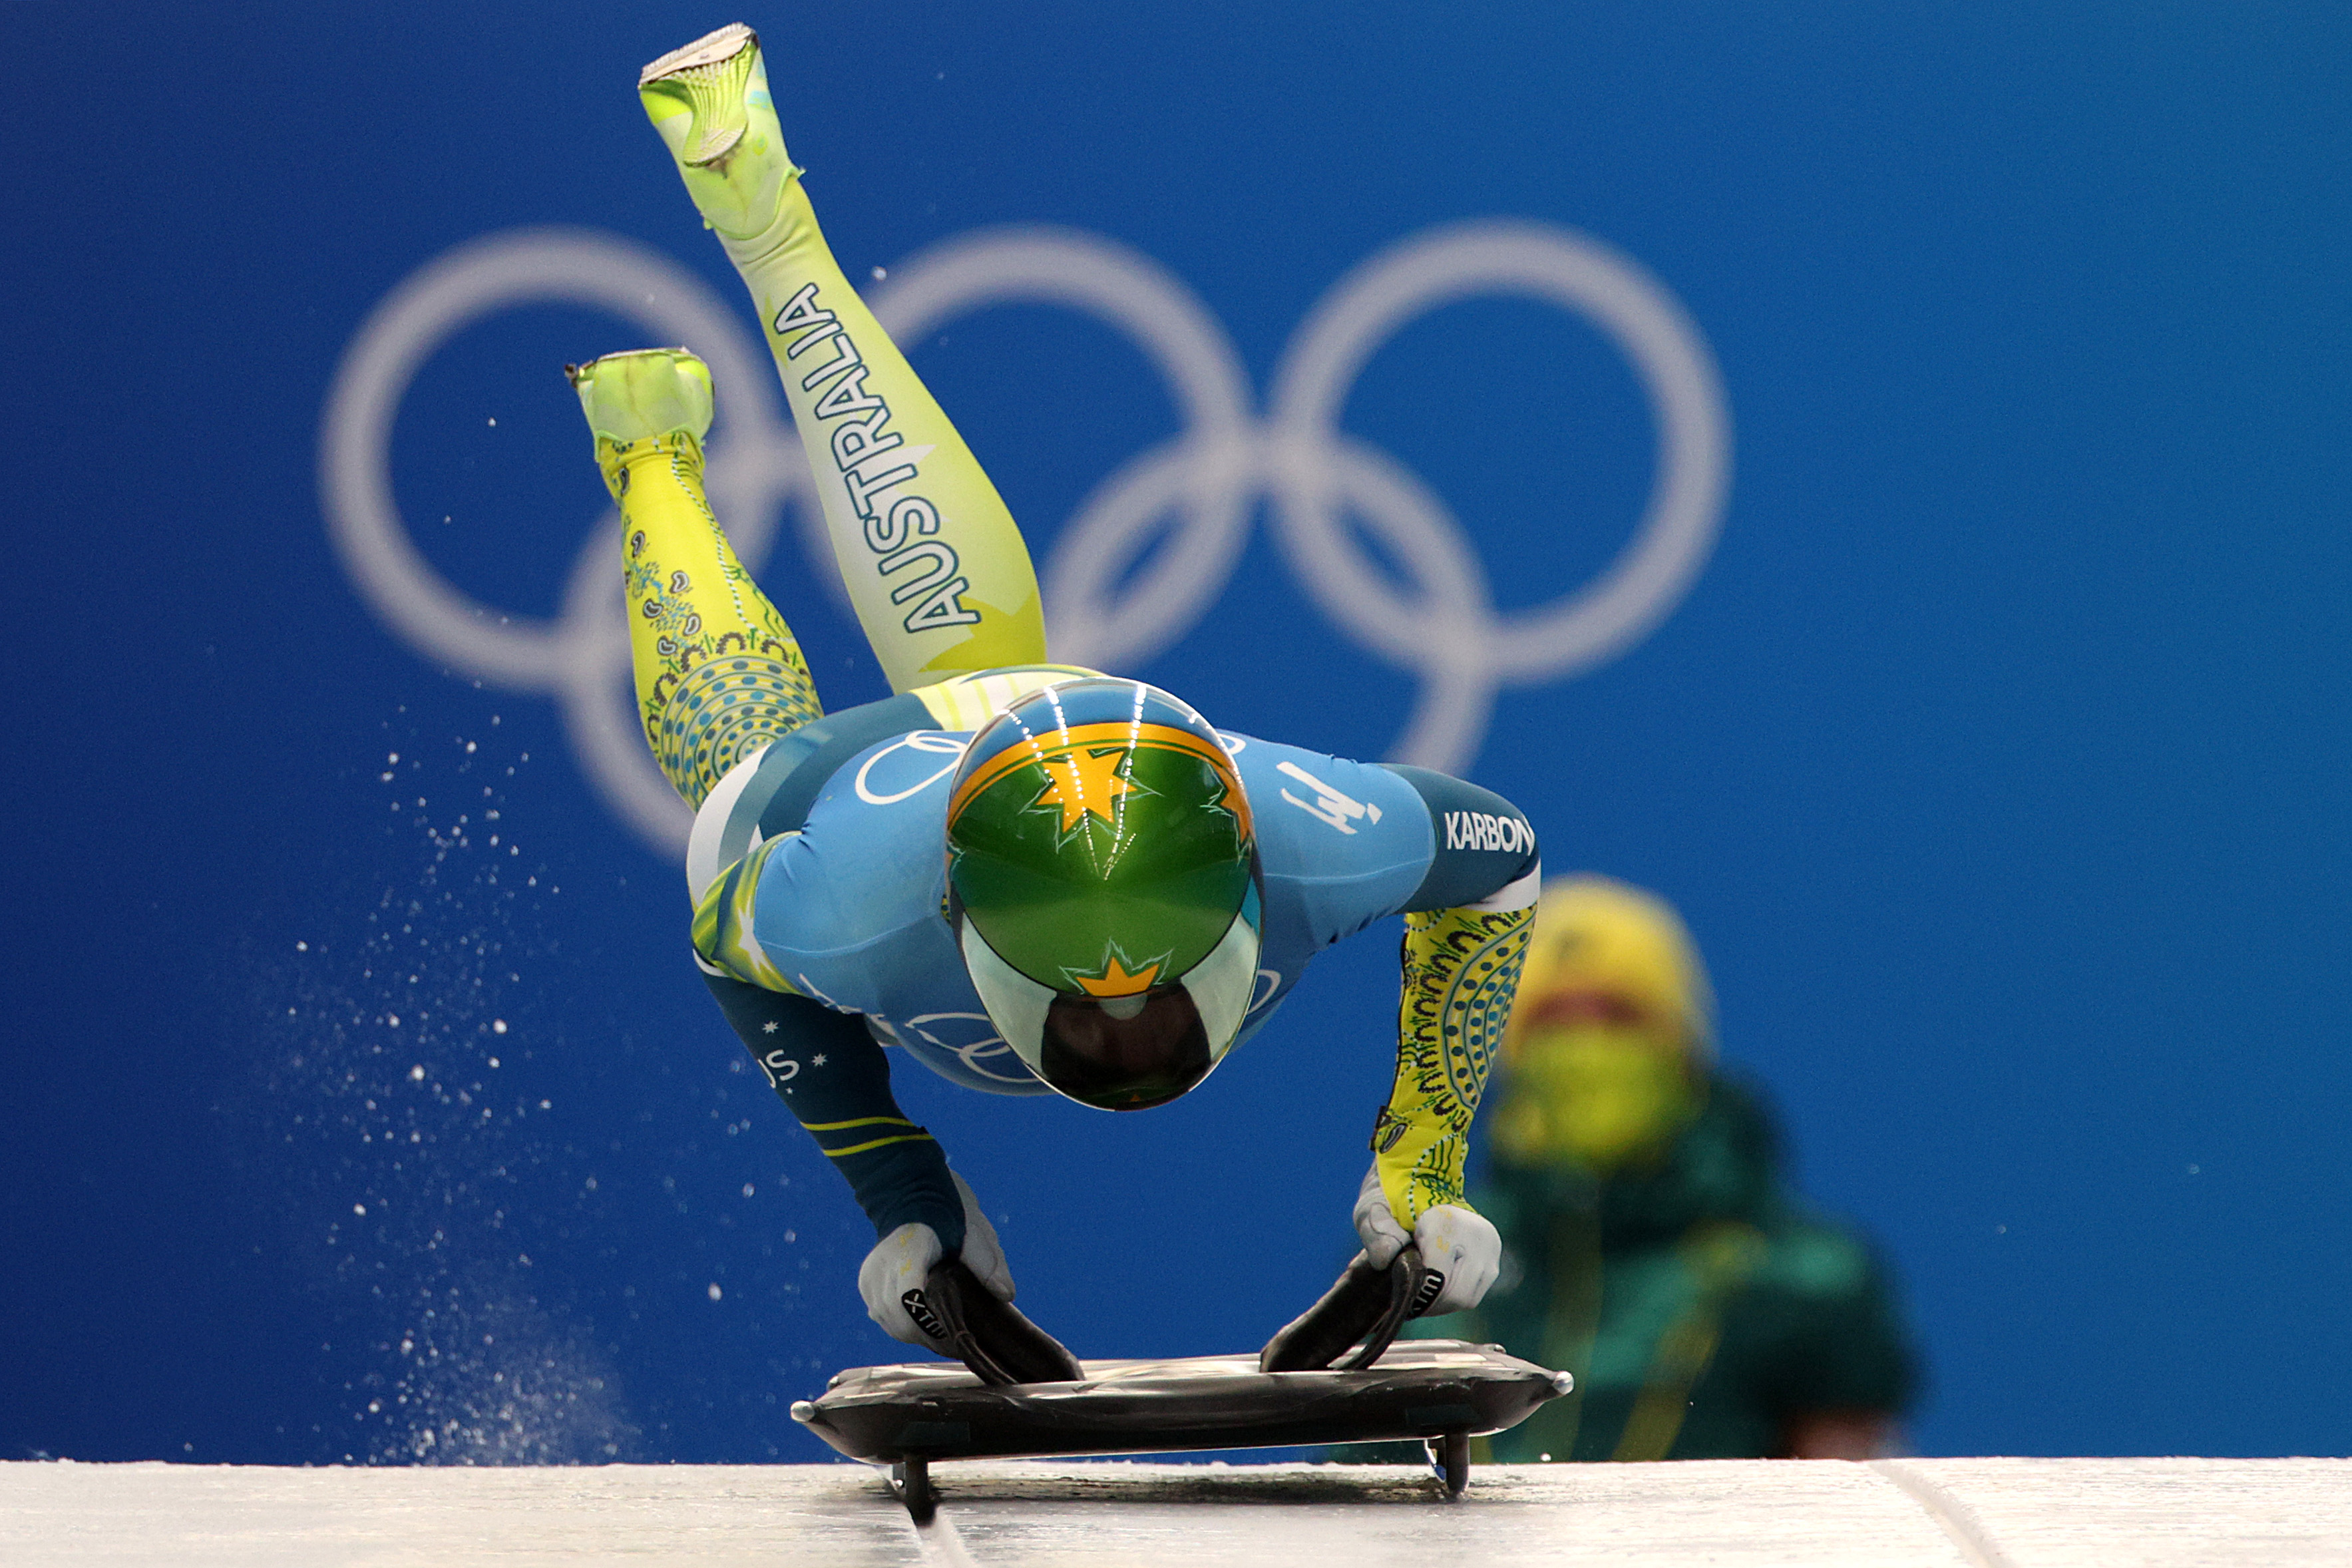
(935, 565)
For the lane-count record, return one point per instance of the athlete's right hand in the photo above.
(901, 1260)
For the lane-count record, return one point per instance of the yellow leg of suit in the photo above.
(935, 567)
(934, 563)
(718, 672)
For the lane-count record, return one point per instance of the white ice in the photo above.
(1943, 1513)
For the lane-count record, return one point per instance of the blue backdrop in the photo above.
(361, 1101)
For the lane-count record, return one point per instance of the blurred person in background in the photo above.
(1651, 1244)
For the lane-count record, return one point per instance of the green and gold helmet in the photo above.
(1102, 877)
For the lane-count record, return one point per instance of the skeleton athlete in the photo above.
(1027, 877)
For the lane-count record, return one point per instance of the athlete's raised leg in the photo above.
(934, 563)
(718, 675)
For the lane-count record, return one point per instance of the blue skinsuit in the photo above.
(847, 911)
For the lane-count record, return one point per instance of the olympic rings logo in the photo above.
(1205, 484)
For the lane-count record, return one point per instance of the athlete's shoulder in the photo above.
(1342, 842)
(1290, 786)
(859, 875)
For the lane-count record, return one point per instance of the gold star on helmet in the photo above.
(1087, 781)
(1117, 980)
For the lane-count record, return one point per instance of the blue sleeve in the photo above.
(1482, 842)
(1342, 844)
(847, 910)
(836, 1081)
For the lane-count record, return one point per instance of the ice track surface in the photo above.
(1976, 1513)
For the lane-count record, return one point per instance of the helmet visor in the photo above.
(1123, 1053)
(1149, 1057)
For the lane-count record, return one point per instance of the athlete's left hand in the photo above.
(1454, 1241)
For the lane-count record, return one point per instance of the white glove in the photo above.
(1455, 1242)
(901, 1260)
(1376, 1226)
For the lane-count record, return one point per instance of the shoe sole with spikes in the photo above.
(710, 103)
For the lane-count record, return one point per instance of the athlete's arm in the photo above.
(832, 1077)
(836, 1081)
(1465, 935)
(822, 1063)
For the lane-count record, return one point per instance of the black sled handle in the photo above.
(1368, 1304)
(992, 1337)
